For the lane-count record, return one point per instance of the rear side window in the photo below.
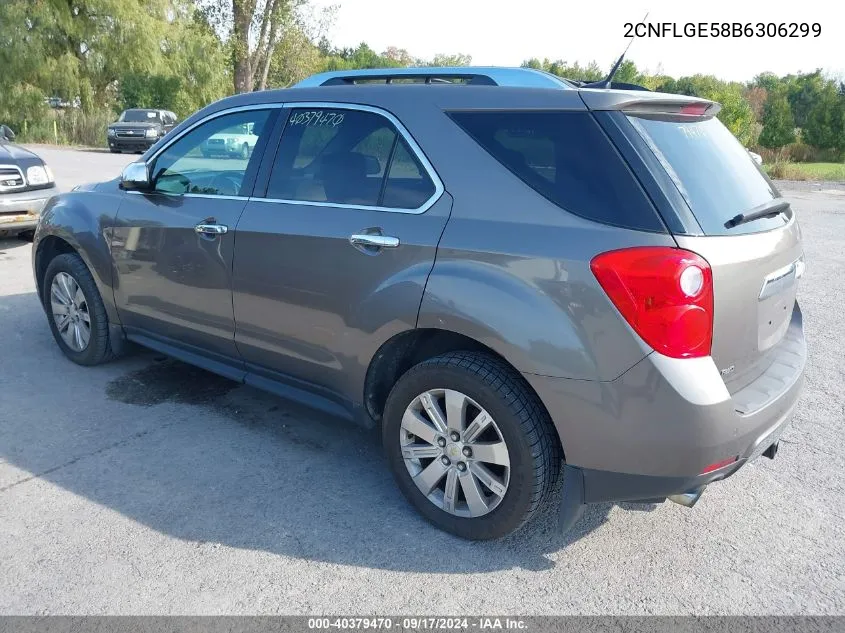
(567, 158)
(713, 172)
(349, 157)
(408, 185)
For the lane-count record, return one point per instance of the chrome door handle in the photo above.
(211, 229)
(374, 240)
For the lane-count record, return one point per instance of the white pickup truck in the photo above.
(238, 141)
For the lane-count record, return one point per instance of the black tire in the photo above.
(245, 151)
(523, 422)
(99, 348)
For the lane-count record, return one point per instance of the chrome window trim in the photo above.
(23, 184)
(196, 124)
(210, 117)
(404, 133)
(186, 195)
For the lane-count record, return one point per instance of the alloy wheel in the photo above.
(70, 311)
(455, 453)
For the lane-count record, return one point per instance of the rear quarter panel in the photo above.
(513, 270)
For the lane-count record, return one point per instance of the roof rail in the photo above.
(472, 75)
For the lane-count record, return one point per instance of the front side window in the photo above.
(349, 157)
(213, 158)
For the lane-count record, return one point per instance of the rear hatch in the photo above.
(745, 230)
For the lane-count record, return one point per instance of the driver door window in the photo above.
(217, 158)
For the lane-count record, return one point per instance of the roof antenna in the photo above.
(606, 82)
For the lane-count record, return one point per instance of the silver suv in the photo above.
(512, 276)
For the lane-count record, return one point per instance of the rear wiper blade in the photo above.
(767, 210)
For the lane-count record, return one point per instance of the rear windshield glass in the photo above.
(713, 171)
(565, 157)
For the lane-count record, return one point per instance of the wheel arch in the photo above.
(411, 347)
(47, 250)
(78, 222)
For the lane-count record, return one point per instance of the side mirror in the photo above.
(135, 177)
(6, 131)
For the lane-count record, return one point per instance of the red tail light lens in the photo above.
(665, 294)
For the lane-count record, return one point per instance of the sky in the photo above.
(500, 33)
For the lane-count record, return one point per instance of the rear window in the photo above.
(713, 172)
(567, 158)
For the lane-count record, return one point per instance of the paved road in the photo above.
(145, 486)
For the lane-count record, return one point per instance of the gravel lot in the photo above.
(146, 486)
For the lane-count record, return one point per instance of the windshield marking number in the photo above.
(317, 118)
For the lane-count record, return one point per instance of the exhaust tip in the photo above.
(688, 498)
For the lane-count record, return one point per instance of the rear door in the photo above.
(332, 261)
(755, 263)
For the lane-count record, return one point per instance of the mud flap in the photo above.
(572, 498)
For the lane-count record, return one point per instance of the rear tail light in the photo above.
(665, 294)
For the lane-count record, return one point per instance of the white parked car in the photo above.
(238, 141)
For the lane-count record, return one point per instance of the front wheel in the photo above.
(75, 311)
(470, 445)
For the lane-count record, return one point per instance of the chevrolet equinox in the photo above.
(515, 277)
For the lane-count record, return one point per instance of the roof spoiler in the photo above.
(650, 103)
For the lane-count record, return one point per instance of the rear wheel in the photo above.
(245, 151)
(470, 445)
(75, 311)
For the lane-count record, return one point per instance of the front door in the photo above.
(333, 261)
(173, 245)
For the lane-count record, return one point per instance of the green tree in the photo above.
(804, 91)
(79, 49)
(768, 81)
(252, 29)
(736, 112)
(778, 124)
(443, 59)
(628, 73)
(577, 72)
(824, 126)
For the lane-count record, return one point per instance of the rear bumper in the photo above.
(655, 430)
(20, 211)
